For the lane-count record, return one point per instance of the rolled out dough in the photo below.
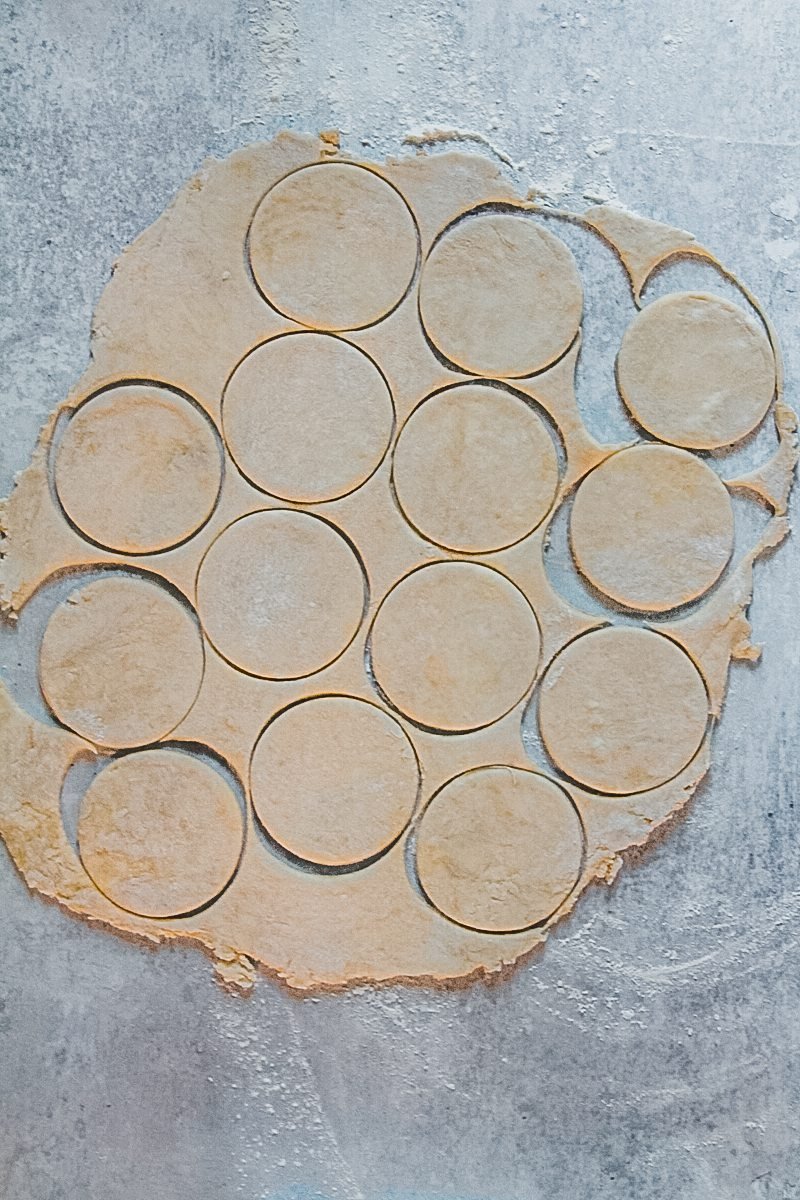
(319, 573)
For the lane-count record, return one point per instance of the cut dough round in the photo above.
(455, 646)
(500, 296)
(307, 417)
(160, 833)
(622, 710)
(696, 370)
(121, 661)
(333, 246)
(138, 469)
(652, 527)
(280, 593)
(499, 849)
(475, 468)
(334, 780)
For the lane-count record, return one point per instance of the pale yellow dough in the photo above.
(334, 780)
(333, 246)
(121, 661)
(499, 295)
(307, 417)
(455, 646)
(319, 521)
(280, 594)
(622, 710)
(154, 463)
(499, 849)
(652, 527)
(475, 468)
(696, 370)
(160, 833)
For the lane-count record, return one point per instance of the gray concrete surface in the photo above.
(653, 1051)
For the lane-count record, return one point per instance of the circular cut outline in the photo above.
(760, 318)
(184, 748)
(502, 208)
(66, 415)
(310, 865)
(709, 725)
(125, 570)
(606, 598)
(316, 333)
(351, 546)
(503, 767)
(341, 162)
(371, 675)
(536, 407)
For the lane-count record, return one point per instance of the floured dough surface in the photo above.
(334, 780)
(499, 849)
(121, 661)
(160, 833)
(376, 656)
(499, 295)
(652, 527)
(622, 710)
(307, 417)
(455, 646)
(138, 469)
(280, 593)
(696, 370)
(475, 468)
(333, 246)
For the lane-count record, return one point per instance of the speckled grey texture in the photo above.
(653, 1050)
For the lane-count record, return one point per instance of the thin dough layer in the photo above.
(652, 527)
(697, 371)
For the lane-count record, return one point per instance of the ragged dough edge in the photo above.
(714, 635)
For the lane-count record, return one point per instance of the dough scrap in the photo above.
(652, 527)
(348, 619)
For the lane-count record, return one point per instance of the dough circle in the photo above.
(121, 661)
(138, 469)
(696, 370)
(500, 296)
(333, 246)
(307, 417)
(475, 468)
(454, 646)
(334, 780)
(160, 833)
(652, 527)
(499, 849)
(280, 593)
(622, 710)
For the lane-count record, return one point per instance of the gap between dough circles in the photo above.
(349, 650)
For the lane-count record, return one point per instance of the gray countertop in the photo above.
(653, 1049)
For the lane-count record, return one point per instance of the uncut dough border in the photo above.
(336, 931)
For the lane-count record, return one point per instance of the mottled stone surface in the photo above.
(653, 1050)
